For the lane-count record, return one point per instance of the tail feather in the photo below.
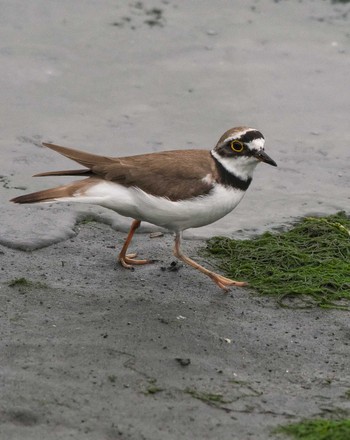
(39, 196)
(53, 194)
(87, 160)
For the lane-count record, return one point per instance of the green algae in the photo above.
(209, 398)
(312, 258)
(24, 282)
(318, 429)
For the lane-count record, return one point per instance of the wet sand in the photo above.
(119, 78)
(93, 351)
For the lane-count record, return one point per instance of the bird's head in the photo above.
(240, 149)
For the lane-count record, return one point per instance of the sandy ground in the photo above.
(93, 351)
(119, 78)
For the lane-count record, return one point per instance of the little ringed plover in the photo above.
(176, 190)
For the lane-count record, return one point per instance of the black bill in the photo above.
(263, 157)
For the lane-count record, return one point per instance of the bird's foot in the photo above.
(129, 260)
(224, 283)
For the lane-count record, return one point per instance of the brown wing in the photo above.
(85, 159)
(177, 174)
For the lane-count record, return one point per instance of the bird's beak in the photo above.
(263, 157)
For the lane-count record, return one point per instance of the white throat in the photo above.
(241, 167)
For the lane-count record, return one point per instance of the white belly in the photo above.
(175, 216)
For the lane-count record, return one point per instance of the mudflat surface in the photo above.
(128, 77)
(93, 351)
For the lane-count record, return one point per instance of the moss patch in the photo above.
(87, 219)
(153, 389)
(212, 399)
(23, 282)
(312, 258)
(318, 430)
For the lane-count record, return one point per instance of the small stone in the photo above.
(184, 362)
(156, 234)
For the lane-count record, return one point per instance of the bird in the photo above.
(176, 189)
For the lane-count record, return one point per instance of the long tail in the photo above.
(88, 160)
(54, 194)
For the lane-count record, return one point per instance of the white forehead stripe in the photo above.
(256, 144)
(238, 134)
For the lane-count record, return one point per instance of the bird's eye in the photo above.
(237, 146)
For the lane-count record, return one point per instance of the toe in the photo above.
(130, 256)
(125, 264)
(224, 282)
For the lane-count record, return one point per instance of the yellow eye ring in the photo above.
(237, 146)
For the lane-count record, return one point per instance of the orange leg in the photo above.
(128, 260)
(221, 281)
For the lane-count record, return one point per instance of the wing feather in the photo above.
(177, 174)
